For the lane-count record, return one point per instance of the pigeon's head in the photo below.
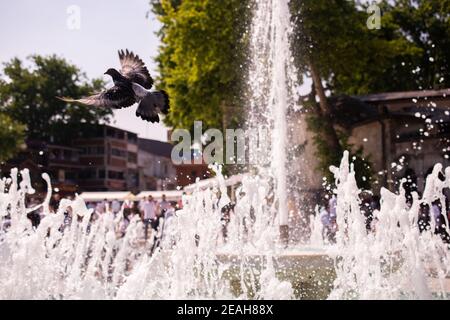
(113, 73)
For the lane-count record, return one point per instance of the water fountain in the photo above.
(272, 85)
(86, 258)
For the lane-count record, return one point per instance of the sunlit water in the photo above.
(272, 84)
(197, 257)
(88, 260)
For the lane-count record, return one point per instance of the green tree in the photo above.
(28, 95)
(426, 25)
(333, 42)
(201, 59)
(334, 47)
(204, 45)
(12, 135)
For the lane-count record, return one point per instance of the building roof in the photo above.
(213, 183)
(391, 96)
(171, 195)
(108, 195)
(348, 111)
(159, 148)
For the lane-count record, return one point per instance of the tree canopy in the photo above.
(203, 56)
(425, 24)
(333, 45)
(409, 52)
(12, 134)
(201, 59)
(28, 95)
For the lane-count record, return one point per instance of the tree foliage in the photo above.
(28, 95)
(12, 134)
(355, 60)
(201, 59)
(204, 45)
(332, 37)
(425, 24)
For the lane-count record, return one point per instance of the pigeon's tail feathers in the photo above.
(147, 116)
(147, 111)
(166, 106)
(152, 104)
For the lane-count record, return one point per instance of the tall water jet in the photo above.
(272, 81)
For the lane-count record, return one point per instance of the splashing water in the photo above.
(397, 260)
(87, 259)
(272, 82)
(199, 254)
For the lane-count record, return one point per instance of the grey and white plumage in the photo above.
(131, 85)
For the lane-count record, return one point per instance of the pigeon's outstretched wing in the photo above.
(134, 69)
(152, 104)
(114, 97)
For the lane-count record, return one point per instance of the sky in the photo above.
(88, 34)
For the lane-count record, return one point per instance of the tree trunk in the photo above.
(325, 112)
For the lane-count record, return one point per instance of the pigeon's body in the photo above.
(151, 103)
(131, 85)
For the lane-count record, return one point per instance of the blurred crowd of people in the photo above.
(428, 216)
(150, 211)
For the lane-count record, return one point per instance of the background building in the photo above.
(156, 170)
(109, 159)
(403, 134)
(104, 158)
(409, 134)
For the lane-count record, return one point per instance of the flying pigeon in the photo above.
(131, 85)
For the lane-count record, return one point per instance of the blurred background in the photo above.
(373, 79)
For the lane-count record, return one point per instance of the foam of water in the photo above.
(272, 80)
(395, 261)
(86, 259)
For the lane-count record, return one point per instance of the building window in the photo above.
(88, 174)
(101, 174)
(110, 132)
(132, 157)
(115, 175)
(93, 150)
(132, 138)
(118, 153)
(61, 175)
(71, 176)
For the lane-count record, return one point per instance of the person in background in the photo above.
(440, 227)
(424, 220)
(91, 205)
(127, 214)
(34, 216)
(115, 207)
(54, 202)
(448, 215)
(180, 202)
(225, 218)
(150, 209)
(68, 214)
(135, 210)
(332, 219)
(164, 205)
(141, 205)
(101, 206)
